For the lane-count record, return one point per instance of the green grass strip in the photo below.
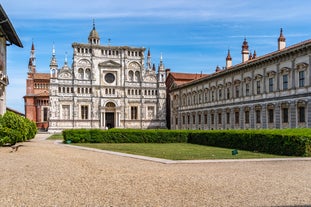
(178, 151)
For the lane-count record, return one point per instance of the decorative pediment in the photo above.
(84, 63)
(65, 75)
(271, 73)
(150, 78)
(134, 65)
(302, 66)
(285, 70)
(247, 79)
(258, 77)
(109, 64)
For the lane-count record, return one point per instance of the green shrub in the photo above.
(15, 128)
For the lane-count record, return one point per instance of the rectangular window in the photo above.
(301, 78)
(212, 118)
(188, 119)
(237, 91)
(237, 117)
(285, 82)
(199, 118)
(246, 117)
(270, 115)
(134, 112)
(84, 112)
(228, 93)
(301, 114)
(258, 87)
(247, 89)
(176, 120)
(270, 84)
(150, 112)
(219, 94)
(205, 118)
(258, 118)
(213, 95)
(183, 120)
(205, 97)
(45, 114)
(285, 115)
(228, 118)
(193, 119)
(65, 112)
(219, 118)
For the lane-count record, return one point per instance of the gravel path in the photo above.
(42, 173)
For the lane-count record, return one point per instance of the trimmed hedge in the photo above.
(281, 142)
(124, 136)
(292, 142)
(15, 128)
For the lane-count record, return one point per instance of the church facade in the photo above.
(106, 87)
(269, 91)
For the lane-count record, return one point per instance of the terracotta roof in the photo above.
(186, 76)
(41, 76)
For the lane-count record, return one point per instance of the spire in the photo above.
(281, 41)
(149, 67)
(161, 66)
(53, 62)
(228, 60)
(32, 60)
(245, 51)
(254, 54)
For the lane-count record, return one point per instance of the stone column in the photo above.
(264, 120)
(252, 117)
(292, 114)
(277, 113)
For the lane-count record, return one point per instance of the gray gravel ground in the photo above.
(42, 173)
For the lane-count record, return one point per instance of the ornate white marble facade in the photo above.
(107, 87)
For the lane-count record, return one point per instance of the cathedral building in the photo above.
(106, 87)
(268, 91)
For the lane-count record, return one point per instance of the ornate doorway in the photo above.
(109, 119)
(110, 115)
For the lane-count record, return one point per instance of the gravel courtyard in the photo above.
(42, 173)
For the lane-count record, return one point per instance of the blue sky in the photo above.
(193, 36)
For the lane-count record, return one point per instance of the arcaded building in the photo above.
(268, 91)
(106, 87)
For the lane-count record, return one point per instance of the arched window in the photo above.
(88, 74)
(131, 75)
(81, 73)
(137, 76)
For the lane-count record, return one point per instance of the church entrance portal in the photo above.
(109, 115)
(109, 119)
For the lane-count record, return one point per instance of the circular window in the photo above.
(109, 78)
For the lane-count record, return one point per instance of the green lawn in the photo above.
(178, 151)
(56, 137)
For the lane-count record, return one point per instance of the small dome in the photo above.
(93, 34)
